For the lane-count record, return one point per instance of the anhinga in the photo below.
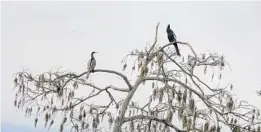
(91, 64)
(172, 38)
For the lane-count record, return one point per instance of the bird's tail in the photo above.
(88, 74)
(177, 49)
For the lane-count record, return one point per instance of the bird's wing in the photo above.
(92, 64)
(169, 31)
(89, 65)
(175, 37)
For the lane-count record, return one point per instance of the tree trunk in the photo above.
(119, 119)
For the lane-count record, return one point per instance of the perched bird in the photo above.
(91, 64)
(172, 38)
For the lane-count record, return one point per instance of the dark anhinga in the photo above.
(172, 38)
(91, 64)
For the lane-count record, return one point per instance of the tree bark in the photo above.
(119, 121)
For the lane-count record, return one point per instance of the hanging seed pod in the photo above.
(70, 105)
(83, 124)
(71, 113)
(62, 102)
(94, 124)
(54, 109)
(35, 122)
(231, 121)
(46, 119)
(133, 68)
(161, 95)
(184, 122)
(190, 94)
(110, 120)
(81, 109)
(160, 58)
(91, 110)
(173, 93)
(179, 96)
(145, 70)
(64, 120)
(23, 88)
(205, 69)
(230, 104)
(15, 81)
(26, 111)
(231, 86)
(184, 97)
(139, 64)
(129, 112)
(38, 109)
(138, 128)
(253, 118)
(124, 67)
(72, 94)
(15, 103)
(206, 127)
(191, 105)
(84, 113)
(61, 128)
(189, 124)
(87, 126)
(180, 112)
(80, 117)
(169, 115)
(131, 126)
(60, 92)
(154, 94)
(170, 100)
(212, 77)
(97, 119)
(75, 85)
(51, 123)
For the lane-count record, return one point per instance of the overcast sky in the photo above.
(42, 35)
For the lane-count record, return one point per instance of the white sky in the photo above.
(42, 35)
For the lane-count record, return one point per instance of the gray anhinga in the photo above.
(91, 64)
(172, 38)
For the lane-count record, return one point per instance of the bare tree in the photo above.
(179, 100)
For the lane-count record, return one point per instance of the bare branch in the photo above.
(137, 117)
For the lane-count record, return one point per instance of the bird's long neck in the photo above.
(92, 56)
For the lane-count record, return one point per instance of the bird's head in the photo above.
(93, 53)
(168, 26)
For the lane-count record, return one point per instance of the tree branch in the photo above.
(116, 73)
(127, 119)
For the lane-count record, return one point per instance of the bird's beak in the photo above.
(95, 52)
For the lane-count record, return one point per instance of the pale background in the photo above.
(42, 35)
